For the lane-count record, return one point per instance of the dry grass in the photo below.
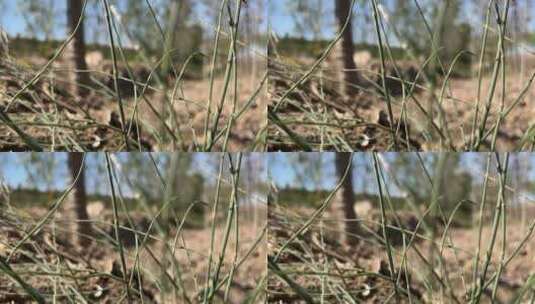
(151, 254)
(434, 106)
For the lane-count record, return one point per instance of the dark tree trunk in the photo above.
(345, 200)
(76, 50)
(79, 199)
(346, 49)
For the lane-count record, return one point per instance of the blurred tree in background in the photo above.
(308, 16)
(345, 199)
(410, 186)
(163, 32)
(39, 16)
(145, 182)
(455, 187)
(76, 50)
(429, 26)
(450, 182)
(348, 76)
(184, 188)
(171, 26)
(75, 207)
(167, 25)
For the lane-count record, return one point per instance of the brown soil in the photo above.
(46, 261)
(245, 135)
(49, 114)
(55, 268)
(459, 261)
(248, 276)
(362, 271)
(321, 120)
(46, 112)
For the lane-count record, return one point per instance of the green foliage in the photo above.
(31, 197)
(294, 197)
(28, 47)
(175, 31)
(456, 186)
(183, 188)
(404, 19)
(143, 28)
(187, 42)
(452, 182)
(301, 197)
(307, 16)
(295, 47)
(456, 40)
(441, 26)
(531, 38)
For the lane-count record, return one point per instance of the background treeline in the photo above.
(26, 197)
(296, 196)
(296, 46)
(412, 181)
(27, 47)
(145, 182)
(145, 30)
(413, 29)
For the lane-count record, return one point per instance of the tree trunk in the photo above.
(345, 198)
(4, 44)
(345, 49)
(77, 203)
(79, 78)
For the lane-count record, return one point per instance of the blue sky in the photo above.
(285, 171)
(282, 23)
(14, 23)
(15, 173)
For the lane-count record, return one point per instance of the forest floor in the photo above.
(316, 265)
(316, 114)
(45, 111)
(316, 118)
(249, 276)
(249, 130)
(58, 270)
